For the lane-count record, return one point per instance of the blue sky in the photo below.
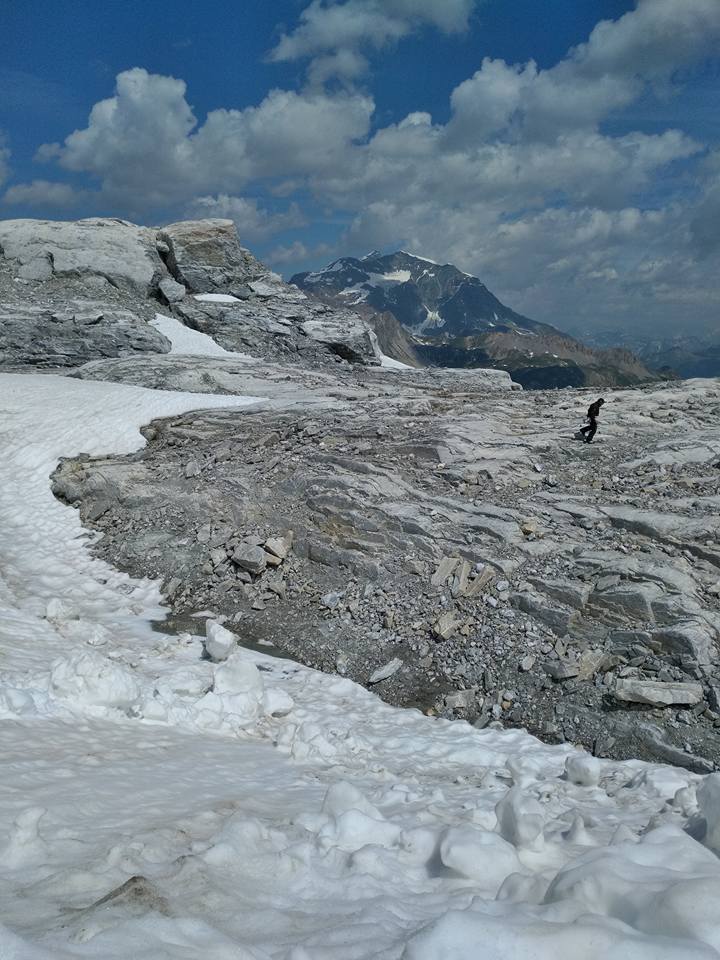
(566, 151)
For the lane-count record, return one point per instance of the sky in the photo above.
(567, 152)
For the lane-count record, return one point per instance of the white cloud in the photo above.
(296, 253)
(606, 73)
(44, 193)
(145, 147)
(253, 222)
(335, 32)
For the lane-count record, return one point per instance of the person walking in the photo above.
(590, 428)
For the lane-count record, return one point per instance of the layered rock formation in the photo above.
(73, 292)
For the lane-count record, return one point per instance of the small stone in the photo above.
(561, 669)
(331, 600)
(527, 663)
(172, 291)
(249, 558)
(460, 699)
(279, 546)
(446, 626)
(386, 671)
(192, 469)
(444, 571)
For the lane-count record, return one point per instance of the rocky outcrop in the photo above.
(206, 257)
(96, 250)
(75, 292)
(434, 533)
(70, 335)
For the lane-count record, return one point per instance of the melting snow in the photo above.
(216, 298)
(389, 363)
(155, 804)
(184, 340)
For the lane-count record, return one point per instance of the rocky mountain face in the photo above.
(453, 320)
(434, 534)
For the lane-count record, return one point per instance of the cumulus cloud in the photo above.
(334, 33)
(608, 72)
(253, 222)
(296, 252)
(44, 193)
(145, 147)
(523, 186)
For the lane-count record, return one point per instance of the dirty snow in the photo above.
(159, 805)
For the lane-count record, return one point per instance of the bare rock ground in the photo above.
(454, 547)
(431, 533)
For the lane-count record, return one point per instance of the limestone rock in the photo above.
(172, 291)
(250, 558)
(120, 252)
(658, 694)
(31, 335)
(692, 638)
(445, 570)
(558, 619)
(446, 625)
(206, 257)
(385, 672)
(279, 546)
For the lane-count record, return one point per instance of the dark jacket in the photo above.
(594, 410)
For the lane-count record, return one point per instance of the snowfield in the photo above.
(159, 805)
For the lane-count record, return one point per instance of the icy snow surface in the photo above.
(186, 341)
(389, 363)
(156, 805)
(216, 298)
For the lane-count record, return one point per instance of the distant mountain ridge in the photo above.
(451, 319)
(428, 298)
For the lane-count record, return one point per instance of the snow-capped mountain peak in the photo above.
(426, 297)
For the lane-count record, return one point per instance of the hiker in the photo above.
(593, 413)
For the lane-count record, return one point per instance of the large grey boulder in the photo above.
(119, 252)
(206, 256)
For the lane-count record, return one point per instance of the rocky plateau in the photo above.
(436, 534)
